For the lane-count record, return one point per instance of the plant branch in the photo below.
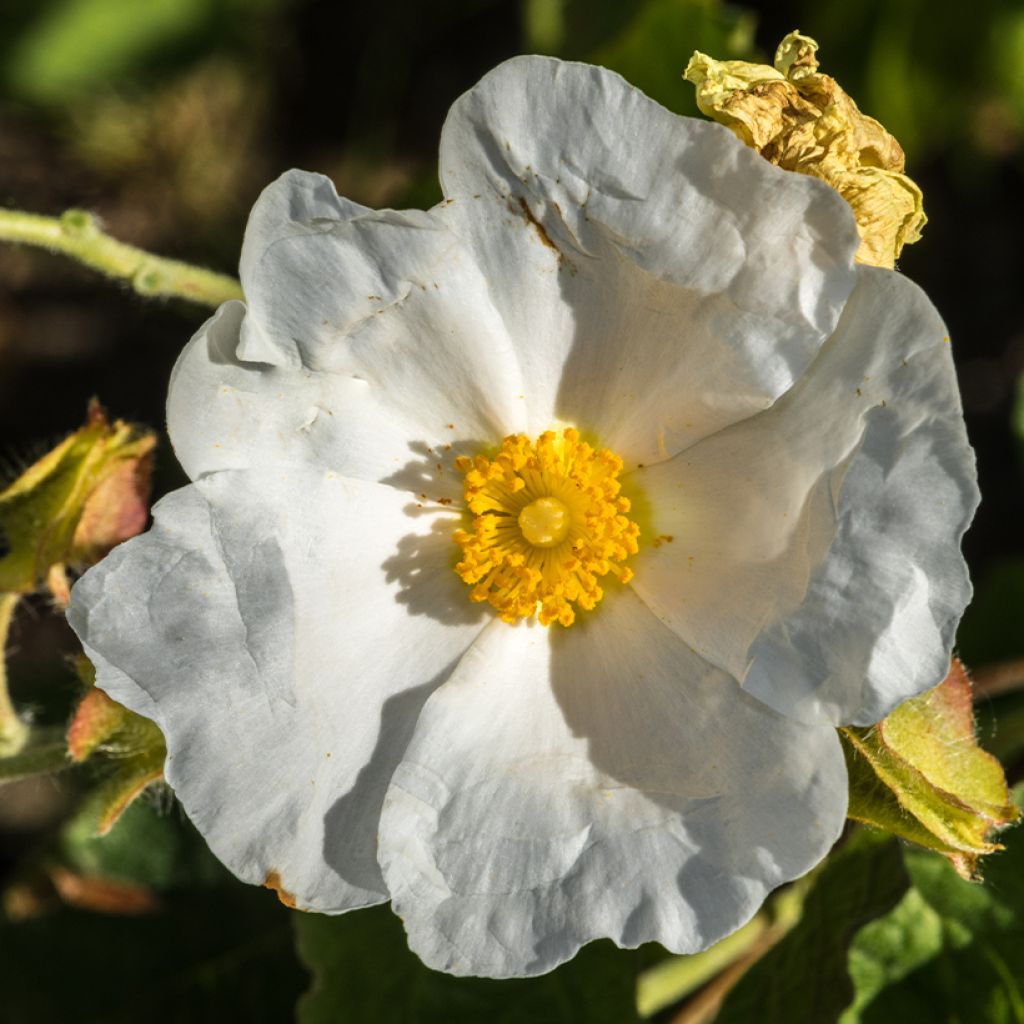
(994, 680)
(78, 234)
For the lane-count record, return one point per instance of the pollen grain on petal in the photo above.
(549, 522)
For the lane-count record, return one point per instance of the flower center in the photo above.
(548, 523)
(545, 522)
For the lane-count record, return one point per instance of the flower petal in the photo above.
(284, 639)
(814, 549)
(601, 781)
(655, 262)
(367, 341)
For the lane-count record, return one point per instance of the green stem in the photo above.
(13, 731)
(77, 234)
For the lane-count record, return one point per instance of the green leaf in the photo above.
(363, 971)
(952, 951)
(887, 950)
(804, 979)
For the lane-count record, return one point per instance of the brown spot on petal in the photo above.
(273, 881)
(542, 232)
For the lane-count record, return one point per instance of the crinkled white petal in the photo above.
(659, 279)
(369, 346)
(283, 630)
(814, 549)
(601, 781)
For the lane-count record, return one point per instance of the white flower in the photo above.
(343, 721)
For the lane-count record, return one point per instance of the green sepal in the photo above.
(76, 502)
(920, 775)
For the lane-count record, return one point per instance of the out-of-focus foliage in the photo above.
(950, 951)
(69, 47)
(199, 948)
(804, 979)
(652, 49)
(936, 79)
(886, 937)
(363, 971)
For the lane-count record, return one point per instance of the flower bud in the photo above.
(75, 503)
(920, 774)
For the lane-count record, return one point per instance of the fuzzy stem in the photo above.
(78, 234)
(13, 731)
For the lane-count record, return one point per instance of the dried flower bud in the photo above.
(802, 120)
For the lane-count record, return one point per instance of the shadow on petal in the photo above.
(423, 564)
(431, 476)
(739, 788)
(351, 823)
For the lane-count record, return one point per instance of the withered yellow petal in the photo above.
(803, 121)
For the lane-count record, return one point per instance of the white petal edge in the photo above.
(283, 631)
(815, 549)
(599, 782)
(665, 263)
(369, 346)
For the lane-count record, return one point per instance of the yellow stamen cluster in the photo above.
(549, 522)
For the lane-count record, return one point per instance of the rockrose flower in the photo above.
(538, 542)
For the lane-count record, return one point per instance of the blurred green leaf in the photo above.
(544, 25)
(215, 951)
(78, 44)
(654, 47)
(887, 950)
(363, 971)
(932, 81)
(1008, 38)
(952, 952)
(804, 979)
